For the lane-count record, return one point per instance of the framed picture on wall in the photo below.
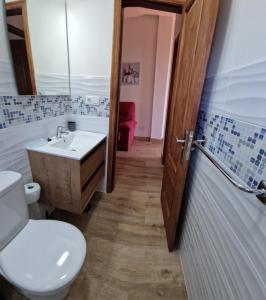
(130, 73)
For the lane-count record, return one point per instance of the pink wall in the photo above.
(148, 38)
(139, 45)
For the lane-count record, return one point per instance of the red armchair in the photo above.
(126, 125)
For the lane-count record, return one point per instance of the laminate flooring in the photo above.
(127, 256)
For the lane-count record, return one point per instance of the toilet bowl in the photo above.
(41, 258)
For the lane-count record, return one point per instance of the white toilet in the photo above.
(40, 258)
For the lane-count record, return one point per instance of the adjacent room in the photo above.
(148, 42)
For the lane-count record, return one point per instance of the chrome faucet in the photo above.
(61, 130)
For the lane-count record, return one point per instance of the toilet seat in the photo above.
(45, 256)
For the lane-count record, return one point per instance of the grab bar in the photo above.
(260, 192)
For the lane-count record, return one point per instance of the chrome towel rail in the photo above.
(260, 192)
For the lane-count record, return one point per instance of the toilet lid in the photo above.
(45, 256)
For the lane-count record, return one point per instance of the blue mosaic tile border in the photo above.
(17, 110)
(90, 105)
(240, 146)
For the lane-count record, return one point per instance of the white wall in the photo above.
(139, 45)
(7, 79)
(13, 154)
(247, 54)
(90, 25)
(242, 37)
(224, 240)
(164, 57)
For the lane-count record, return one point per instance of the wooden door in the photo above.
(21, 67)
(170, 97)
(199, 18)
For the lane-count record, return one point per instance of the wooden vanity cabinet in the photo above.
(66, 183)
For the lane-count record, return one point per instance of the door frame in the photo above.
(176, 6)
(21, 6)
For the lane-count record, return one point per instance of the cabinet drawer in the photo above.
(91, 186)
(90, 165)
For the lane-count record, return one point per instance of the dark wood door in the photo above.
(21, 67)
(170, 97)
(198, 23)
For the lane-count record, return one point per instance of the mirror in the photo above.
(90, 39)
(37, 33)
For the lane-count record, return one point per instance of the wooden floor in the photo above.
(127, 256)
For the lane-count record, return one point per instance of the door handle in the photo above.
(180, 142)
(186, 145)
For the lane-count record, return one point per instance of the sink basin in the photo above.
(75, 145)
(76, 141)
(66, 143)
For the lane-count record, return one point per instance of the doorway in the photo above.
(146, 61)
(194, 44)
(147, 54)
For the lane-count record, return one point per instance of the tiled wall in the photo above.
(90, 105)
(222, 249)
(18, 116)
(17, 110)
(224, 239)
(26, 118)
(13, 154)
(239, 145)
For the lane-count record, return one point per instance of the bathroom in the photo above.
(113, 242)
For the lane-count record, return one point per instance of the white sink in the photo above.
(66, 144)
(75, 145)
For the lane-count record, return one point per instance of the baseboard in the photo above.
(157, 141)
(142, 138)
(148, 139)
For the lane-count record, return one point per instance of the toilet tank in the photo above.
(13, 208)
